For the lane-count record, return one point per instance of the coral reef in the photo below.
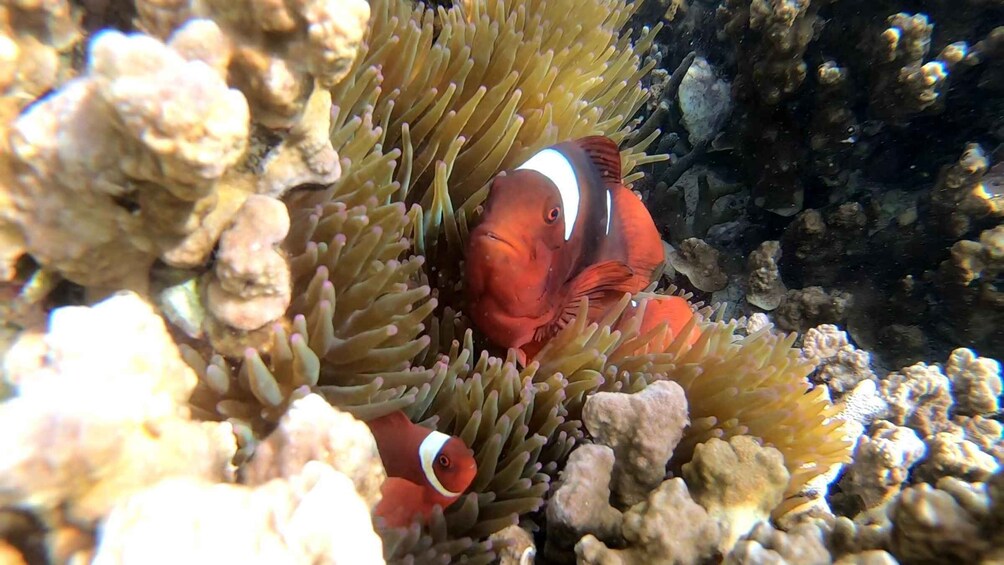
(765, 289)
(289, 519)
(167, 166)
(739, 482)
(290, 186)
(642, 429)
(667, 528)
(72, 449)
(101, 439)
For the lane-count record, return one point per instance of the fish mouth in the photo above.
(496, 237)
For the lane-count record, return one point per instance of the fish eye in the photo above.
(443, 460)
(553, 214)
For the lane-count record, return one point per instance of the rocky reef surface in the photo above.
(233, 232)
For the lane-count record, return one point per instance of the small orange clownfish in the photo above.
(556, 229)
(674, 310)
(424, 468)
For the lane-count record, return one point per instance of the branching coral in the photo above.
(882, 462)
(764, 287)
(250, 285)
(968, 285)
(960, 199)
(36, 40)
(642, 429)
(700, 263)
(581, 503)
(919, 397)
(146, 155)
(940, 524)
(780, 32)
(841, 365)
(902, 84)
(834, 129)
(770, 71)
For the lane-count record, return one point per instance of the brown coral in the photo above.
(959, 199)
(739, 482)
(903, 85)
(668, 528)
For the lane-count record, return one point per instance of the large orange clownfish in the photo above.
(424, 468)
(556, 229)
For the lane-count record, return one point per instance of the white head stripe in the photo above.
(609, 211)
(427, 452)
(555, 166)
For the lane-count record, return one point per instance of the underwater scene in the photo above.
(596, 282)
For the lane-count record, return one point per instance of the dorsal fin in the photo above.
(603, 152)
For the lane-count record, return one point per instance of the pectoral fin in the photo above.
(603, 284)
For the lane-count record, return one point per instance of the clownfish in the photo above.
(557, 229)
(674, 310)
(424, 468)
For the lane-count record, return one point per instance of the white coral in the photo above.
(313, 430)
(882, 462)
(315, 516)
(102, 414)
(119, 167)
(919, 396)
(976, 382)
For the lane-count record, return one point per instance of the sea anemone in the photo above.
(438, 102)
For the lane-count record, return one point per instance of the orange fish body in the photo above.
(558, 228)
(674, 310)
(424, 468)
